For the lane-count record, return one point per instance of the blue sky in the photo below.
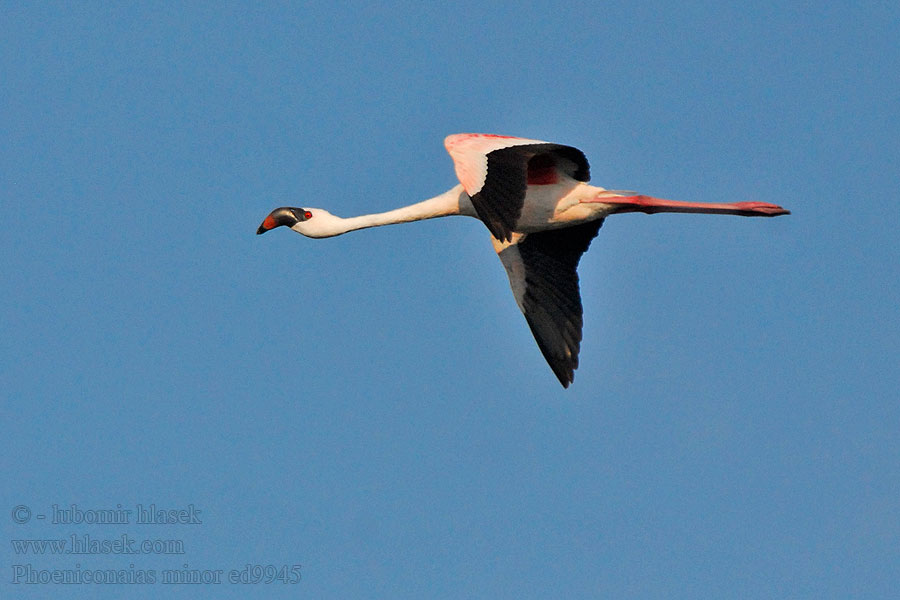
(373, 406)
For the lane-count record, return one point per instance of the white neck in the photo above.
(452, 202)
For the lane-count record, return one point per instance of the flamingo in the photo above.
(534, 198)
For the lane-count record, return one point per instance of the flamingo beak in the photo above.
(286, 215)
(267, 224)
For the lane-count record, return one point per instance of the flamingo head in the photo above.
(311, 222)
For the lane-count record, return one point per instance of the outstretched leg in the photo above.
(650, 205)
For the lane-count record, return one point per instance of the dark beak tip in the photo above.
(261, 230)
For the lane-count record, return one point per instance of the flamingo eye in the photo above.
(307, 215)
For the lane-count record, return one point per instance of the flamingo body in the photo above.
(534, 199)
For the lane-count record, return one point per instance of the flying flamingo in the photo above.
(534, 199)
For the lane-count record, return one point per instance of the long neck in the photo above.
(444, 205)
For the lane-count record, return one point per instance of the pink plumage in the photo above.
(469, 153)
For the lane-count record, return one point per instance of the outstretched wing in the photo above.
(496, 171)
(542, 269)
